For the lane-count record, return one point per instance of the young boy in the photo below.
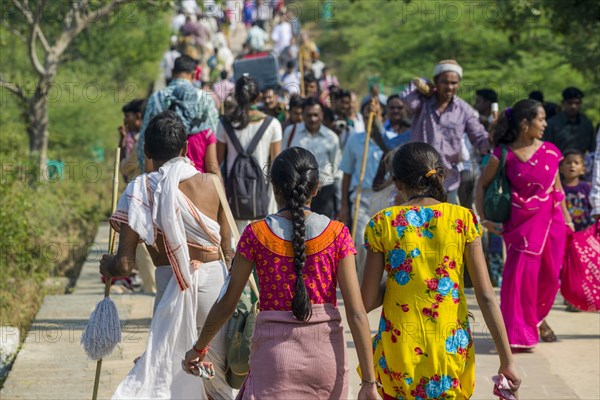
(133, 113)
(577, 192)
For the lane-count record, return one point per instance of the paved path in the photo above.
(52, 364)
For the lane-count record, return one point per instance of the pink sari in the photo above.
(535, 237)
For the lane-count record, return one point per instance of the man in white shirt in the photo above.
(256, 38)
(168, 62)
(290, 80)
(325, 145)
(281, 35)
(190, 7)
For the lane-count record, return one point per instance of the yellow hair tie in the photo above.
(430, 173)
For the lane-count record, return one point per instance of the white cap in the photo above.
(448, 66)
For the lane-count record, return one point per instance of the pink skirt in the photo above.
(290, 359)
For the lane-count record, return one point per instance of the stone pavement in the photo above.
(567, 369)
(52, 364)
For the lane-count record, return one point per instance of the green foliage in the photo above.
(47, 226)
(575, 25)
(399, 40)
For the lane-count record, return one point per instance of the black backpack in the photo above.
(246, 186)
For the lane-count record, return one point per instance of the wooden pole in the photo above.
(362, 174)
(111, 250)
(301, 69)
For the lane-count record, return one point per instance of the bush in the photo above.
(47, 226)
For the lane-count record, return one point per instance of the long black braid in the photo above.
(295, 175)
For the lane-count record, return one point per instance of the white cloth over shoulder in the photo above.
(154, 202)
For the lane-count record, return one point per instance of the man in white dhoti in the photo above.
(176, 211)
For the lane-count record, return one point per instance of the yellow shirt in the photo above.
(424, 348)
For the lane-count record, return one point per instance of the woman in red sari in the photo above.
(535, 234)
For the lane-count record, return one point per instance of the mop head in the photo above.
(103, 331)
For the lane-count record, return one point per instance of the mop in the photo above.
(103, 330)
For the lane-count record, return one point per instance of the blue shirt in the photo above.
(393, 139)
(352, 160)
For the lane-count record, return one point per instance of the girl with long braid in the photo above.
(298, 347)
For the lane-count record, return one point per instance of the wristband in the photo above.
(201, 352)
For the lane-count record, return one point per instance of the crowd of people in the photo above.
(303, 165)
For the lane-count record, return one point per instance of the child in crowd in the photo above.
(133, 113)
(300, 257)
(424, 346)
(577, 192)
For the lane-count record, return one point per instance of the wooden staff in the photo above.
(301, 67)
(111, 250)
(362, 172)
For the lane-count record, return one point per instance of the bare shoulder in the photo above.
(201, 190)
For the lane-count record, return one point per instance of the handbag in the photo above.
(497, 200)
(240, 326)
(580, 275)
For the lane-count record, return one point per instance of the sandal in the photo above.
(516, 350)
(571, 308)
(546, 333)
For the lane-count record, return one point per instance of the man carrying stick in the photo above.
(176, 211)
(352, 167)
(441, 118)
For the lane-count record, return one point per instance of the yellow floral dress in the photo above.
(424, 348)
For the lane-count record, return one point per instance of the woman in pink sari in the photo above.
(535, 234)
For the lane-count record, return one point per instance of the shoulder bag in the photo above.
(240, 327)
(497, 200)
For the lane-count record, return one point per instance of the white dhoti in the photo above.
(364, 217)
(211, 280)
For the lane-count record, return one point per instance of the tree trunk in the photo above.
(37, 124)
